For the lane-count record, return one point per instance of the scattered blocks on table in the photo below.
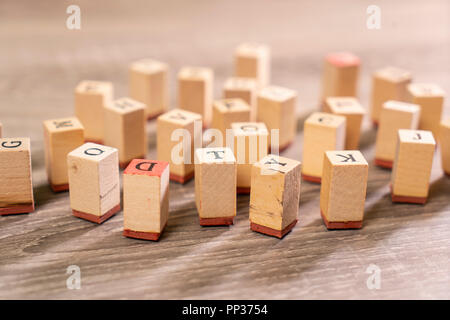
(352, 110)
(94, 182)
(175, 140)
(444, 140)
(276, 108)
(61, 136)
(243, 88)
(227, 111)
(90, 99)
(149, 84)
(275, 195)
(250, 145)
(343, 189)
(322, 132)
(215, 186)
(252, 60)
(389, 83)
(394, 115)
(410, 178)
(16, 187)
(145, 199)
(125, 121)
(195, 91)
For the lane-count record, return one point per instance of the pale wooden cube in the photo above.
(125, 121)
(395, 115)
(410, 179)
(343, 189)
(227, 111)
(61, 136)
(1, 130)
(146, 199)
(215, 186)
(252, 60)
(275, 195)
(94, 182)
(173, 126)
(149, 84)
(243, 88)
(322, 132)
(90, 100)
(444, 139)
(16, 187)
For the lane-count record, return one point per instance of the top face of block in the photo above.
(401, 106)
(14, 144)
(343, 59)
(416, 136)
(252, 50)
(180, 117)
(149, 66)
(214, 155)
(393, 74)
(239, 83)
(231, 105)
(346, 158)
(345, 105)
(325, 120)
(195, 73)
(92, 152)
(425, 90)
(125, 105)
(276, 163)
(277, 93)
(249, 129)
(153, 168)
(63, 124)
(94, 87)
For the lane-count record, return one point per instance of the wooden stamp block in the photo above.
(395, 115)
(195, 91)
(90, 99)
(125, 121)
(1, 130)
(243, 88)
(388, 84)
(412, 166)
(149, 84)
(179, 124)
(430, 98)
(352, 110)
(444, 139)
(145, 199)
(343, 189)
(227, 111)
(275, 195)
(60, 137)
(16, 187)
(94, 182)
(252, 60)
(322, 132)
(340, 75)
(250, 145)
(215, 186)
(276, 108)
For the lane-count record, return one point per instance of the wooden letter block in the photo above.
(395, 115)
(343, 189)
(250, 145)
(16, 187)
(275, 195)
(388, 84)
(252, 60)
(125, 121)
(145, 199)
(90, 99)
(243, 88)
(215, 186)
(227, 111)
(322, 132)
(60, 137)
(94, 182)
(195, 91)
(340, 75)
(430, 98)
(1, 130)
(172, 126)
(412, 166)
(445, 145)
(149, 85)
(350, 108)
(276, 108)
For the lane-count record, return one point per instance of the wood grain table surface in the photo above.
(41, 63)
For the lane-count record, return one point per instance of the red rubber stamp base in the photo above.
(272, 232)
(220, 221)
(17, 209)
(59, 187)
(243, 190)
(154, 115)
(311, 178)
(384, 163)
(333, 225)
(94, 218)
(181, 179)
(152, 236)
